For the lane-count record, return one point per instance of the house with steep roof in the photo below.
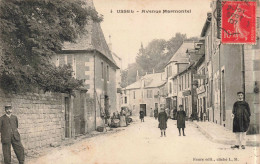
(91, 61)
(145, 94)
(178, 63)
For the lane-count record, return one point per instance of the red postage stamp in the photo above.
(238, 22)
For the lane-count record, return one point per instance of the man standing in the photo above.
(241, 119)
(181, 115)
(141, 115)
(156, 113)
(10, 135)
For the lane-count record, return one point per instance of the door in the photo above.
(67, 118)
(156, 106)
(143, 107)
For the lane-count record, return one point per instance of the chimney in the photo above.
(137, 76)
(153, 71)
(110, 43)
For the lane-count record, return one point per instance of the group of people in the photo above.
(163, 117)
(10, 135)
(122, 119)
(240, 115)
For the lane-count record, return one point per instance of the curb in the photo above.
(223, 141)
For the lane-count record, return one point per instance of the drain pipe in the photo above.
(243, 71)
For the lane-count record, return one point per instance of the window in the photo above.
(170, 87)
(203, 73)
(149, 93)
(185, 81)
(181, 82)
(167, 72)
(188, 80)
(170, 70)
(125, 100)
(102, 70)
(87, 77)
(133, 94)
(107, 73)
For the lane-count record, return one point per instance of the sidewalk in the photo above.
(67, 142)
(219, 134)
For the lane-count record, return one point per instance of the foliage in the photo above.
(154, 57)
(31, 33)
(129, 75)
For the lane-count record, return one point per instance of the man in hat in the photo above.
(10, 136)
(241, 119)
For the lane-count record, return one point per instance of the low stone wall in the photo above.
(40, 117)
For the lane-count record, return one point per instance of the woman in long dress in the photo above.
(162, 118)
(181, 115)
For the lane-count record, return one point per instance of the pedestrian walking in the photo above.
(241, 119)
(141, 115)
(181, 115)
(155, 113)
(10, 136)
(162, 118)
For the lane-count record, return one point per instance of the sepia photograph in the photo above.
(129, 81)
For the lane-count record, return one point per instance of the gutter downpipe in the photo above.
(220, 87)
(243, 71)
(95, 92)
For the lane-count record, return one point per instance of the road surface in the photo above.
(141, 143)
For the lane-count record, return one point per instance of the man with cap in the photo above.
(10, 136)
(241, 120)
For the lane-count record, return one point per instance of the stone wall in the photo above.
(40, 117)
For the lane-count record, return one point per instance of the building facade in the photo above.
(91, 61)
(178, 63)
(145, 94)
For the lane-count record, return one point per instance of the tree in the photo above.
(148, 58)
(31, 33)
(155, 56)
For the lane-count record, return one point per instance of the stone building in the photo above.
(177, 64)
(118, 61)
(91, 61)
(231, 68)
(145, 94)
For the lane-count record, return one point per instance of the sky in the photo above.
(129, 30)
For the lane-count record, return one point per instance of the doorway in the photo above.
(143, 107)
(67, 118)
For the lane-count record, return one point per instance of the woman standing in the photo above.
(181, 114)
(162, 118)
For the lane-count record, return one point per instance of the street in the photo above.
(141, 143)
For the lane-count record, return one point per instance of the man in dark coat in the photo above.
(181, 115)
(162, 118)
(241, 119)
(10, 136)
(141, 115)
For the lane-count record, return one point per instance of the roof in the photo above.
(151, 81)
(206, 25)
(181, 55)
(92, 39)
